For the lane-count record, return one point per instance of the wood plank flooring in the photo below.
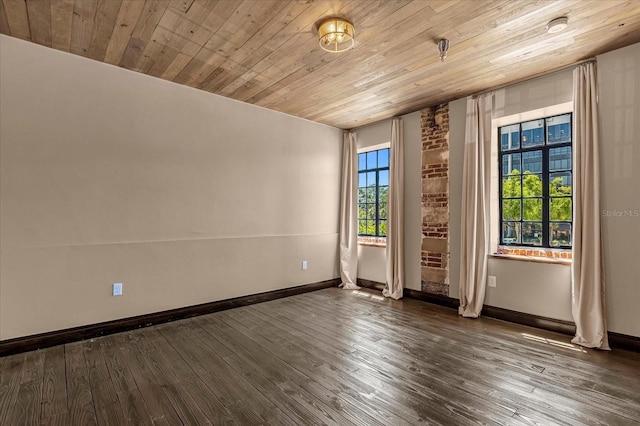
(331, 357)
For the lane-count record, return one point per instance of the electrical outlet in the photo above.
(492, 281)
(117, 289)
(304, 265)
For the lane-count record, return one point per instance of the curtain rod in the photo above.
(542, 74)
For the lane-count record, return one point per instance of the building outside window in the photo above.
(373, 193)
(536, 182)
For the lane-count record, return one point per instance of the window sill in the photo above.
(534, 259)
(372, 242)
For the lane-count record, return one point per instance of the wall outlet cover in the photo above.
(491, 281)
(117, 289)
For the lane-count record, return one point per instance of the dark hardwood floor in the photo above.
(326, 357)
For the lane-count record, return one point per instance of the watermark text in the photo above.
(621, 213)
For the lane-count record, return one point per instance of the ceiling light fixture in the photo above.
(557, 25)
(336, 35)
(443, 47)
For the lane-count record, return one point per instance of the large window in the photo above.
(536, 183)
(373, 192)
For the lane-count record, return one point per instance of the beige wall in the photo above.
(111, 176)
(619, 97)
(371, 260)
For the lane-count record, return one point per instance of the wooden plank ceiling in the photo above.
(265, 52)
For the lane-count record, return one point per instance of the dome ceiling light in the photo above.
(557, 25)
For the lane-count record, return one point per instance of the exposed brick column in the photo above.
(435, 199)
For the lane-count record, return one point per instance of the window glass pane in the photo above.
(559, 129)
(362, 211)
(560, 208)
(533, 154)
(383, 158)
(371, 211)
(371, 194)
(362, 180)
(362, 227)
(362, 161)
(511, 164)
(532, 233)
(362, 195)
(560, 184)
(372, 159)
(532, 209)
(384, 177)
(373, 191)
(532, 185)
(560, 158)
(383, 228)
(510, 232)
(511, 209)
(511, 187)
(560, 234)
(371, 179)
(371, 227)
(532, 162)
(532, 133)
(383, 211)
(383, 194)
(510, 137)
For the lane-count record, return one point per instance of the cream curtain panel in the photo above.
(395, 219)
(349, 213)
(587, 271)
(475, 205)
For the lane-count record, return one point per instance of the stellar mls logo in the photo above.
(621, 213)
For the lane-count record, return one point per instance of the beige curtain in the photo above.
(349, 213)
(587, 271)
(395, 209)
(475, 205)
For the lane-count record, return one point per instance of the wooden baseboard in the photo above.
(616, 340)
(559, 326)
(544, 323)
(370, 284)
(436, 299)
(59, 337)
(624, 341)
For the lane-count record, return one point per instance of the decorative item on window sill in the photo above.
(336, 34)
(443, 47)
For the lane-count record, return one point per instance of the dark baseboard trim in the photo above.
(544, 323)
(436, 299)
(624, 341)
(616, 340)
(59, 337)
(370, 284)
